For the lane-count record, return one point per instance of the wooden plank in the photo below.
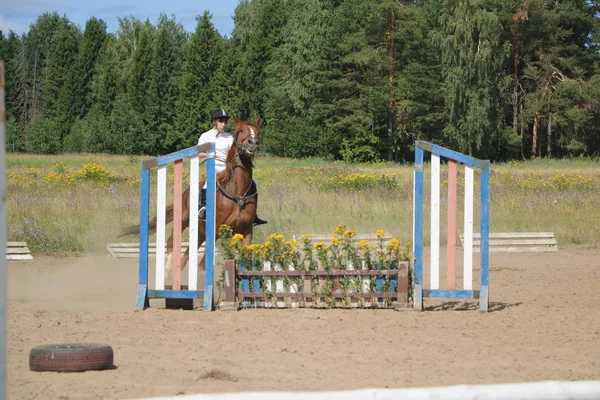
(525, 242)
(325, 237)
(16, 244)
(19, 257)
(518, 249)
(18, 250)
(318, 273)
(121, 251)
(513, 242)
(517, 235)
(297, 296)
(184, 245)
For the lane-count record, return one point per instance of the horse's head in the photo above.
(246, 136)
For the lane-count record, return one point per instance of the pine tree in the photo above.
(9, 49)
(166, 70)
(294, 84)
(60, 86)
(30, 68)
(140, 76)
(265, 37)
(200, 92)
(89, 47)
(555, 73)
(105, 85)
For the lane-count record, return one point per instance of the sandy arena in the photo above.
(544, 324)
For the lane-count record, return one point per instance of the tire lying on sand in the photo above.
(71, 357)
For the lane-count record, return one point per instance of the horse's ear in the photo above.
(235, 118)
(257, 121)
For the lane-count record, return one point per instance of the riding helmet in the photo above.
(218, 113)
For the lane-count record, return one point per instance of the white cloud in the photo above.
(6, 25)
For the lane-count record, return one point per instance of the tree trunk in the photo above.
(549, 137)
(536, 124)
(516, 94)
(522, 130)
(390, 131)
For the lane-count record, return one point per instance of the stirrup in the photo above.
(258, 221)
(202, 214)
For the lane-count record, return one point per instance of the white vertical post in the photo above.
(161, 207)
(3, 283)
(366, 284)
(353, 303)
(294, 289)
(435, 221)
(268, 286)
(279, 288)
(193, 224)
(468, 230)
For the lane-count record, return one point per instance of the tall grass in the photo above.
(77, 203)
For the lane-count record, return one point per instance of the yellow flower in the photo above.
(335, 241)
(349, 233)
(394, 245)
(380, 233)
(275, 237)
(339, 229)
(293, 243)
(363, 245)
(319, 245)
(306, 236)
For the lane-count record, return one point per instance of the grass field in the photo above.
(76, 203)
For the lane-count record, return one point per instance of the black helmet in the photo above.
(218, 113)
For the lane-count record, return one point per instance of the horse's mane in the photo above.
(224, 176)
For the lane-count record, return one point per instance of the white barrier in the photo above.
(548, 390)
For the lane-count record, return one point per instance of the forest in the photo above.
(353, 80)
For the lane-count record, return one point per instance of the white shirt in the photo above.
(222, 140)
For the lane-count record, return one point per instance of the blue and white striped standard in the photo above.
(469, 163)
(161, 163)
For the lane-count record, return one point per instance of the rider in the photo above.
(223, 141)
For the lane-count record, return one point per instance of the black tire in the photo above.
(74, 357)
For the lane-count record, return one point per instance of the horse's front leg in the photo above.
(247, 239)
(169, 263)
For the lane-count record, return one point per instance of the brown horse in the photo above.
(236, 197)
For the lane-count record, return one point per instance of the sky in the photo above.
(18, 15)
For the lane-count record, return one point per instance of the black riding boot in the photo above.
(202, 210)
(258, 221)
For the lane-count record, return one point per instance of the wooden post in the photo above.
(402, 303)
(230, 301)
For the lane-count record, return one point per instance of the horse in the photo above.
(236, 197)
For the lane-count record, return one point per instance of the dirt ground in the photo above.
(544, 324)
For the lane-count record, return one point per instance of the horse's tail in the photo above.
(135, 229)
